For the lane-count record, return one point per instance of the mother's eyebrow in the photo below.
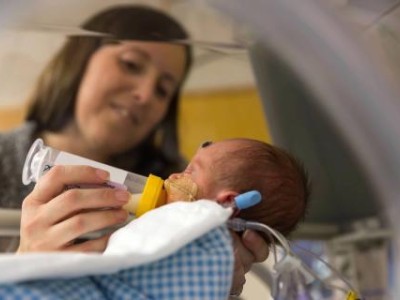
(169, 77)
(146, 56)
(140, 52)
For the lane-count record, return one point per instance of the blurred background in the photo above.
(220, 75)
(224, 98)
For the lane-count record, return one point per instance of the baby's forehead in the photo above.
(220, 148)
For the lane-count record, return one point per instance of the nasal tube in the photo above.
(147, 193)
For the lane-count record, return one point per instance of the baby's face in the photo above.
(198, 180)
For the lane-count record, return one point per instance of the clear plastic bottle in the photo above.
(146, 192)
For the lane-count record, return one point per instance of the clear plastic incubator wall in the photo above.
(327, 74)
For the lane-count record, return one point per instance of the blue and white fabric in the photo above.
(197, 268)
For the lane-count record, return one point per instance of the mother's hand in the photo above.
(53, 217)
(249, 248)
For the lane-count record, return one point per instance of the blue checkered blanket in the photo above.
(200, 270)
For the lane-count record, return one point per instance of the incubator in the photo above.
(342, 87)
(290, 278)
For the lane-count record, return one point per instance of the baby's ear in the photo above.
(226, 196)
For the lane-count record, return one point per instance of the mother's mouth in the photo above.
(126, 113)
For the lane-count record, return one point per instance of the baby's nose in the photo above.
(175, 176)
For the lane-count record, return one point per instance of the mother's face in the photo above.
(126, 91)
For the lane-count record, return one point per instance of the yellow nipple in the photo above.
(133, 203)
(153, 196)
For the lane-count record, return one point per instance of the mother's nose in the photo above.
(144, 88)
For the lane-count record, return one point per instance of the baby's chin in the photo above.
(180, 189)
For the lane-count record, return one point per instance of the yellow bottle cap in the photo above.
(153, 195)
(352, 296)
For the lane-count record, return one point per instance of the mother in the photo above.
(111, 98)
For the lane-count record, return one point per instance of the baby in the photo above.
(220, 171)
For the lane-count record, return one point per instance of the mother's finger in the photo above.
(95, 245)
(54, 181)
(77, 200)
(85, 222)
(246, 257)
(256, 244)
(238, 279)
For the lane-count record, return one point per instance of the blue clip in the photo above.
(247, 199)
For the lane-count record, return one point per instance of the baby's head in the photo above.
(220, 171)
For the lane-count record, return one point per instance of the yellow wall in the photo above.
(204, 116)
(218, 115)
(10, 117)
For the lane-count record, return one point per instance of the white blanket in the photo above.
(149, 238)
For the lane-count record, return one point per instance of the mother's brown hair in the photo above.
(52, 102)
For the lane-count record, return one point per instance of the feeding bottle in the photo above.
(146, 192)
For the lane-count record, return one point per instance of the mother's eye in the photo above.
(132, 66)
(162, 92)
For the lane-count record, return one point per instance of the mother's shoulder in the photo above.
(21, 133)
(18, 140)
